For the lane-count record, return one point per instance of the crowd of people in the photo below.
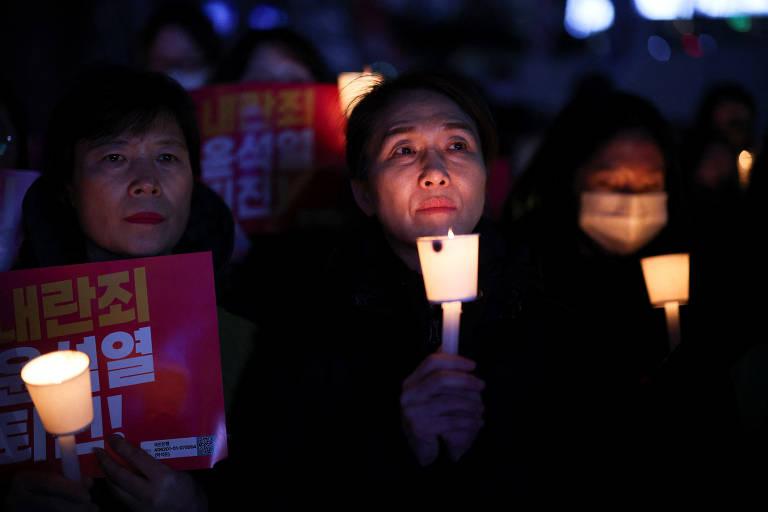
(565, 389)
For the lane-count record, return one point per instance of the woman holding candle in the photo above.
(379, 410)
(122, 158)
(422, 173)
(601, 193)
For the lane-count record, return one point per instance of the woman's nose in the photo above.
(434, 173)
(145, 185)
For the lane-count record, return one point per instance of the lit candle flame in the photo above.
(450, 233)
(745, 167)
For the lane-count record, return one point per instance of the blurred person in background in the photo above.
(725, 126)
(603, 191)
(180, 41)
(13, 136)
(747, 276)
(599, 194)
(15, 176)
(729, 110)
(282, 56)
(278, 55)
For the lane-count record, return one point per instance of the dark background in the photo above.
(519, 51)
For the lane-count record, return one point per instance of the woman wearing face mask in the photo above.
(600, 194)
(180, 41)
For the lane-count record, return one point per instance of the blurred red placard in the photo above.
(271, 150)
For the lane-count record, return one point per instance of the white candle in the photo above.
(667, 280)
(451, 321)
(353, 86)
(744, 164)
(672, 312)
(59, 384)
(70, 464)
(449, 268)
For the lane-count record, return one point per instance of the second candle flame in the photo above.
(450, 233)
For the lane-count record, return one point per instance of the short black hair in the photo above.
(108, 101)
(365, 115)
(289, 41)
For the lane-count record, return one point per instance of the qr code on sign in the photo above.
(205, 445)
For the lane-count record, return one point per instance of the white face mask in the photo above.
(622, 223)
(189, 79)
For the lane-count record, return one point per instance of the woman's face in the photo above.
(734, 120)
(628, 163)
(132, 192)
(269, 63)
(176, 54)
(427, 172)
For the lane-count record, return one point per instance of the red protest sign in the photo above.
(149, 326)
(271, 150)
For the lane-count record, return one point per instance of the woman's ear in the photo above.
(363, 198)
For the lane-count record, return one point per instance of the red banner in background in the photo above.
(272, 150)
(149, 326)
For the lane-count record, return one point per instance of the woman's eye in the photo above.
(114, 157)
(167, 157)
(458, 146)
(403, 151)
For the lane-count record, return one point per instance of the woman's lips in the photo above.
(436, 205)
(145, 218)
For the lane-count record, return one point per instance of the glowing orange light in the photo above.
(353, 86)
(746, 159)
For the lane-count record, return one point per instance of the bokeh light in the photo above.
(659, 48)
(586, 17)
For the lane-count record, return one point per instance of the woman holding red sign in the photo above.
(123, 156)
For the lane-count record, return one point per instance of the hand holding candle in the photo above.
(449, 268)
(59, 384)
(667, 278)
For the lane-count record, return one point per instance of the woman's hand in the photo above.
(148, 485)
(33, 491)
(441, 399)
